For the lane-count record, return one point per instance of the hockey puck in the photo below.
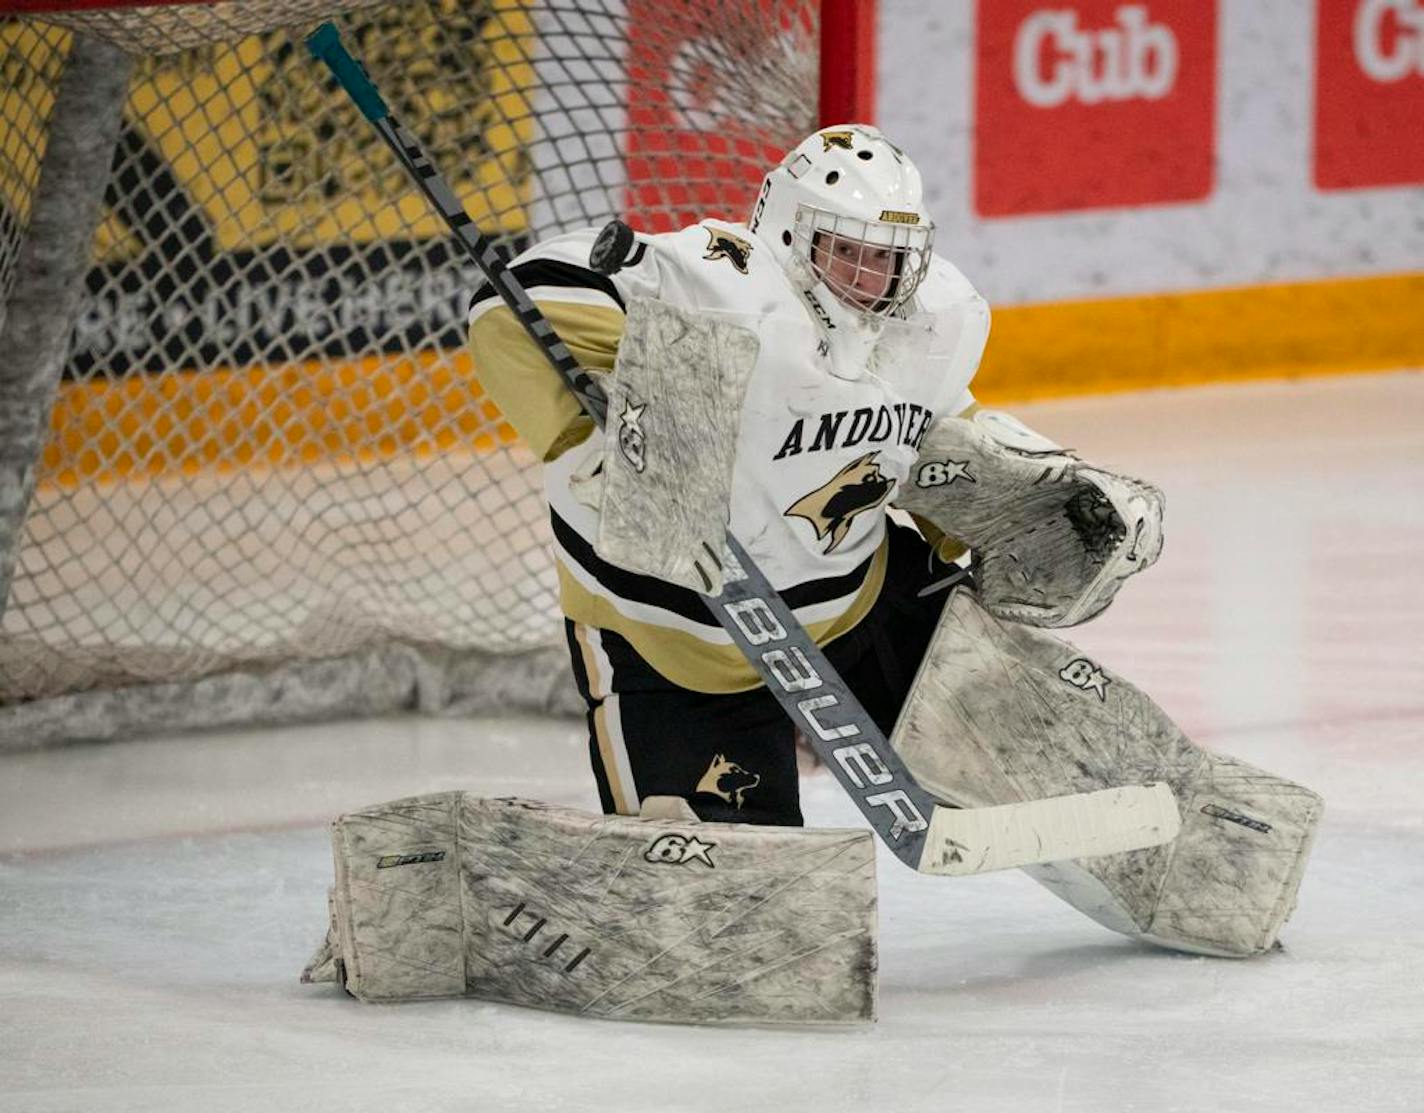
(610, 250)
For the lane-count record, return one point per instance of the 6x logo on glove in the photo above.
(940, 473)
(1082, 673)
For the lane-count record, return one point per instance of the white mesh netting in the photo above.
(266, 446)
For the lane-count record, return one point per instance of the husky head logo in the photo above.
(728, 780)
(857, 487)
(841, 139)
(724, 245)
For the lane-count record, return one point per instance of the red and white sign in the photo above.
(1088, 104)
(1369, 93)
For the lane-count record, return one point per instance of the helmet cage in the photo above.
(872, 266)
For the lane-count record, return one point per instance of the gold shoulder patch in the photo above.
(724, 245)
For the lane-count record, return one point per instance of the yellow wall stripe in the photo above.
(384, 406)
(180, 423)
(1278, 331)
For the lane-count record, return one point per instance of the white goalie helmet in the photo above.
(845, 208)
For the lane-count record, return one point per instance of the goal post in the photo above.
(261, 482)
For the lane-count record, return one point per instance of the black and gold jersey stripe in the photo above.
(679, 600)
(546, 274)
(515, 372)
(691, 660)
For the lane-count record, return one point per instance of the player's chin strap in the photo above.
(757, 620)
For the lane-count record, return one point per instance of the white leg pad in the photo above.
(1002, 712)
(610, 916)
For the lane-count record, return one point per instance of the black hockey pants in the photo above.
(733, 757)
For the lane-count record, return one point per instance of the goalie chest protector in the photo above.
(829, 427)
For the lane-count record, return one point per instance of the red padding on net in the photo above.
(847, 62)
(18, 7)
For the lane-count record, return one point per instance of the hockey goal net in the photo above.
(246, 472)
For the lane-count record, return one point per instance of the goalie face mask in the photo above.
(872, 270)
(845, 210)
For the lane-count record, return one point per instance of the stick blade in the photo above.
(1083, 825)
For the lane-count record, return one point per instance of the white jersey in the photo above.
(830, 426)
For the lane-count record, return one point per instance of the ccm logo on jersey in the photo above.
(1383, 56)
(1135, 59)
(794, 674)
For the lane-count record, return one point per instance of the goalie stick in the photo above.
(924, 835)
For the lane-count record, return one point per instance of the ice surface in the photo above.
(158, 897)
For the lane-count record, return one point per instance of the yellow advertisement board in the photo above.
(256, 232)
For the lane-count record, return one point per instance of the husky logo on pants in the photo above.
(728, 780)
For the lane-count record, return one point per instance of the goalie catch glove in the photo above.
(1053, 539)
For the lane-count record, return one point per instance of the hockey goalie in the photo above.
(790, 380)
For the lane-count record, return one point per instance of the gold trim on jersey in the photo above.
(518, 375)
(695, 663)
